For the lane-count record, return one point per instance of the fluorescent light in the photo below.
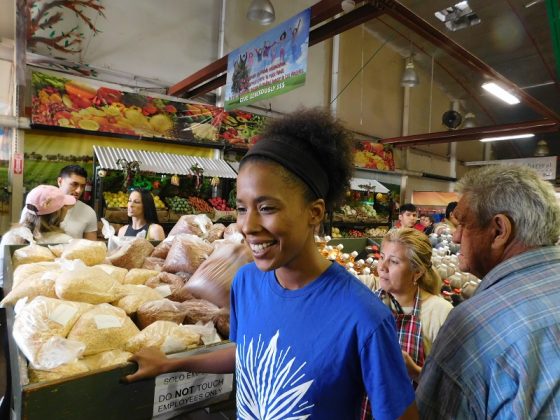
(500, 93)
(518, 136)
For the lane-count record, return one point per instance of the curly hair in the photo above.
(316, 132)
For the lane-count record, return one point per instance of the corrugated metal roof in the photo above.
(361, 184)
(164, 163)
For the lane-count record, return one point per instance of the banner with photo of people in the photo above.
(272, 64)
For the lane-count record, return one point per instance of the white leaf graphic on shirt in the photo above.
(269, 387)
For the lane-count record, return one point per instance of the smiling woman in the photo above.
(301, 324)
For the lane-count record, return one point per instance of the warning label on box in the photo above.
(178, 390)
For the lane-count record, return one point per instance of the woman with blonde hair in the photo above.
(45, 207)
(410, 287)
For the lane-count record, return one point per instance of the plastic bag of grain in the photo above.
(212, 280)
(87, 284)
(106, 359)
(131, 254)
(169, 286)
(153, 263)
(216, 232)
(161, 249)
(232, 230)
(199, 310)
(135, 296)
(168, 336)
(160, 310)
(221, 321)
(90, 252)
(38, 284)
(117, 273)
(63, 371)
(42, 319)
(187, 253)
(198, 225)
(139, 276)
(31, 254)
(23, 272)
(103, 328)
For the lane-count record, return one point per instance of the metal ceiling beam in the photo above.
(470, 134)
(424, 29)
(211, 77)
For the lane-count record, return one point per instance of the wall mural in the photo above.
(93, 107)
(47, 24)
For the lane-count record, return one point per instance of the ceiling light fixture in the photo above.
(513, 137)
(542, 149)
(348, 5)
(458, 17)
(410, 77)
(261, 11)
(500, 93)
(468, 121)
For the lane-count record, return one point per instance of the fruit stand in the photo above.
(365, 212)
(180, 184)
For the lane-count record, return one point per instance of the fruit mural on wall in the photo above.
(374, 155)
(77, 104)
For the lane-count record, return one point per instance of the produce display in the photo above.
(220, 204)
(200, 205)
(179, 205)
(356, 233)
(96, 310)
(120, 199)
(364, 270)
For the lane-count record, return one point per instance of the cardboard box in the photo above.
(102, 395)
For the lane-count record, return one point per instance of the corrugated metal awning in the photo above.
(364, 184)
(164, 163)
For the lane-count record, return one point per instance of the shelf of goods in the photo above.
(365, 212)
(99, 393)
(180, 184)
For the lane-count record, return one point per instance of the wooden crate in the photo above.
(102, 394)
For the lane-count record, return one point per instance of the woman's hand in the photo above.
(413, 369)
(151, 363)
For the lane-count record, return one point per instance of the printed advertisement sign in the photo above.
(86, 105)
(272, 64)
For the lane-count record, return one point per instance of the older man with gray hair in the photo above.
(498, 353)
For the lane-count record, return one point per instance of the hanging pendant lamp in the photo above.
(410, 77)
(261, 11)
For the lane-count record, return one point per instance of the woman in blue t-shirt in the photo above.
(310, 338)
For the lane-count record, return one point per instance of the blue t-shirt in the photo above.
(308, 352)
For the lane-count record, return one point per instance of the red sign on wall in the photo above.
(18, 163)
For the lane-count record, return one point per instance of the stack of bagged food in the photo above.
(79, 308)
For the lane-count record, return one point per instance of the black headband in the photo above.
(296, 160)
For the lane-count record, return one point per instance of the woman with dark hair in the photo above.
(142, 217)
(310, 337)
